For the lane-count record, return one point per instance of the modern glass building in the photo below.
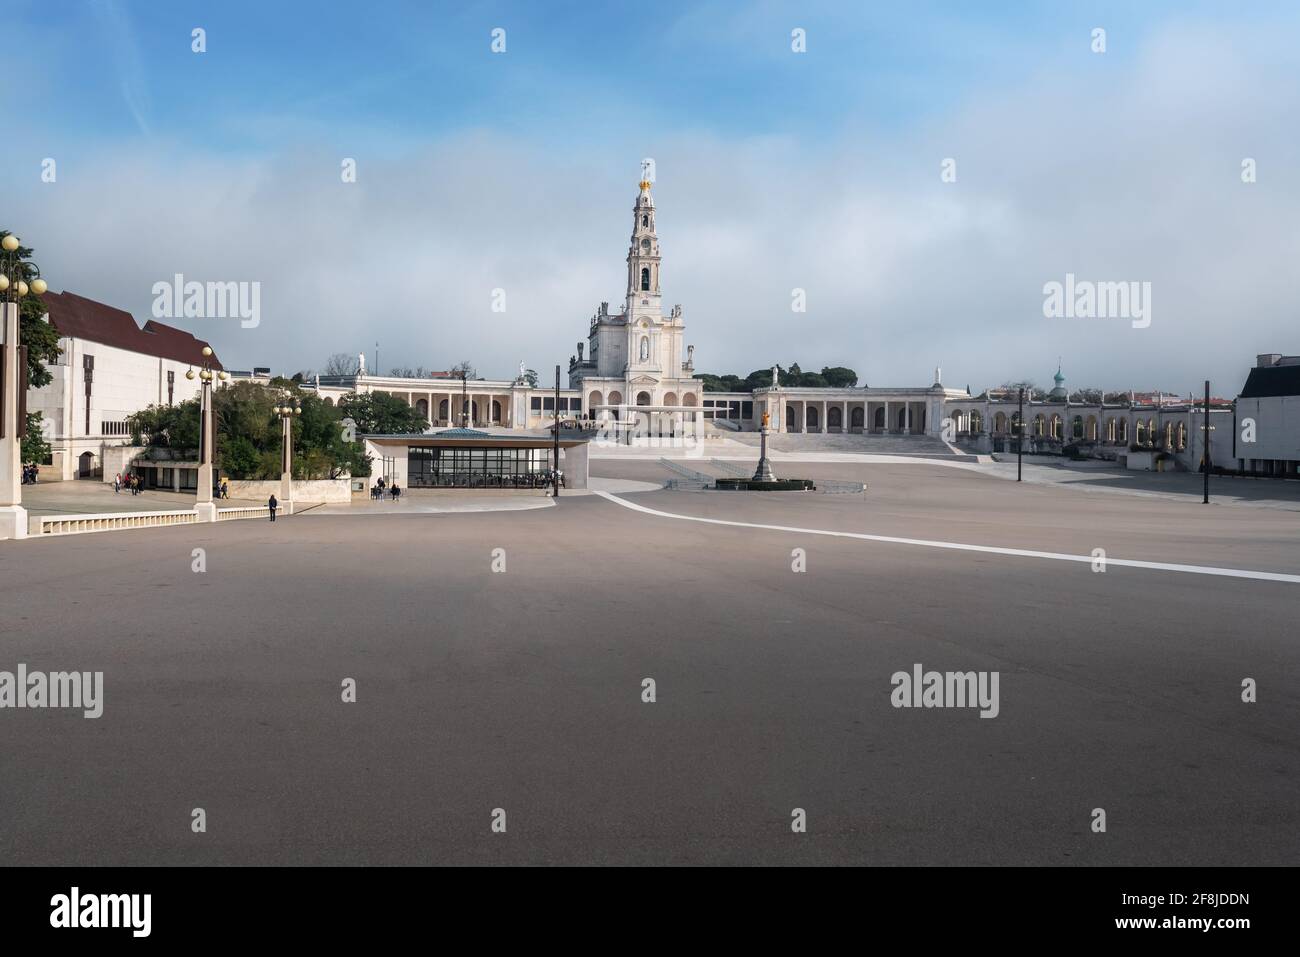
(432, 466)
(469, 458)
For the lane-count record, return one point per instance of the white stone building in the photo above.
(109, 369)
(1267, 432)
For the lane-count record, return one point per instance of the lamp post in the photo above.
(555, 462)
(1206, 430)
(464, 399)
(287, 410)
(14, 273)
(204, 505)
(1020, 432)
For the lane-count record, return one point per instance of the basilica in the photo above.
(636, 357)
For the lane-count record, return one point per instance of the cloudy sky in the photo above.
(776, 170)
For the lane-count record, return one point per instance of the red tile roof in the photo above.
(81, 318)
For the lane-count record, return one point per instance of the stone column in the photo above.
(825, 424)
(203, 494)
(13, 517)
(844, 418)
(286, 463)
(907, 417)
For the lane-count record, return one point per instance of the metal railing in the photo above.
(831, 487)
(690, 480)
(730, 469)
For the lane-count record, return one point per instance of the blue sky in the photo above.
(408, 70)
(776, 170)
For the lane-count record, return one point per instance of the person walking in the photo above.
(272, 504)
(225, 487)
(117, 483)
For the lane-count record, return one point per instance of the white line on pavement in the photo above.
(961, 547)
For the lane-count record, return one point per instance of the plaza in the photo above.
(522, 689)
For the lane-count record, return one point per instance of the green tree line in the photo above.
(835, 377)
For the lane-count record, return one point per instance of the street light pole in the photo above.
(204, 504)
(555, 461)
(1206, 429)
(1020, 433)
(14, 273)
(287, 412)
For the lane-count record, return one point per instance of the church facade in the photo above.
(638, 357)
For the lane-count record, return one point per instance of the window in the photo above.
(548, 403)
(645, 279)
(476, 467)
(535, 403)
(645, 220)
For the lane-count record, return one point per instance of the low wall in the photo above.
(334, 491)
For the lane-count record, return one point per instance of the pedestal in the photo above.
(13, 521)
(286, 493)
(764, 471)
(206, 508)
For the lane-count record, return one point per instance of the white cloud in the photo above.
(1125, 170)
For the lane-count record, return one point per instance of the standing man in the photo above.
(272, 504)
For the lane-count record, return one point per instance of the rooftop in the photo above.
(77, 317)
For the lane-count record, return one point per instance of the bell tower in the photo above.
(643, 256)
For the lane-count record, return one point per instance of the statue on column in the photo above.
(776, 376)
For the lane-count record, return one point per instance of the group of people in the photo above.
(132, 483)
(377, 491)
(30, 474)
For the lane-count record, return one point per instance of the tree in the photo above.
(341, 363)
(530, 376)
(40, 338)
(35, 448)
(716, 383)
(465, 370)
(1031, 391)
(378, 413)
(839, 377)
(249, 433)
